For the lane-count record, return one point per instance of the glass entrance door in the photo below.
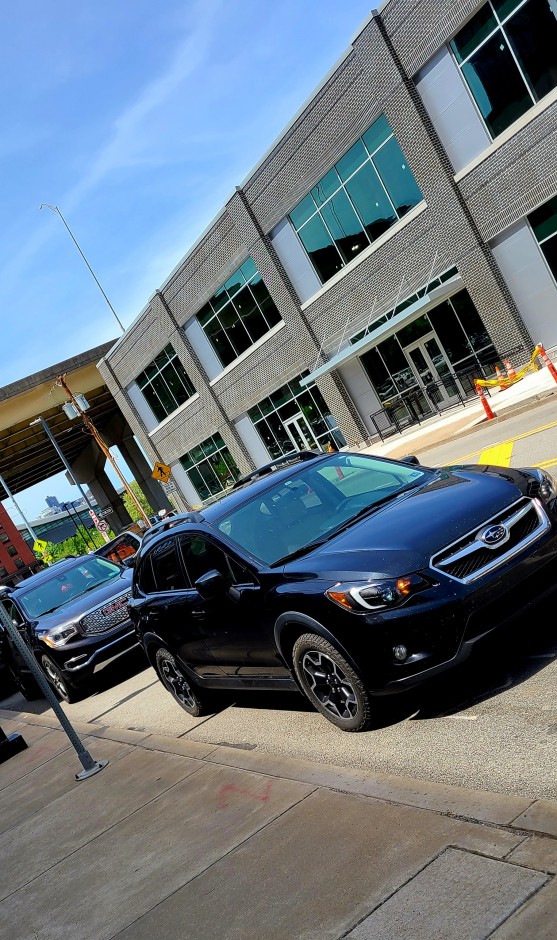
(300, 433)
(433, 370)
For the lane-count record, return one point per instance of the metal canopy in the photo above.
(26, 455)
(388, 329)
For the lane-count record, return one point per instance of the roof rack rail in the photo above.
(165, 524)
(292, 457)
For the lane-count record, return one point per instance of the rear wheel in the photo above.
(26, 685)
(56, 679)
(193, 700)
(331, 684)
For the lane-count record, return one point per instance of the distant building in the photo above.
(17, 561)
(53, 502)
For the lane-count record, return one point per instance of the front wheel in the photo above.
(193, 700)
(331, 684)
(56, 679)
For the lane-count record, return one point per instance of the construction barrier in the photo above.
(547, 361)
(513, 376)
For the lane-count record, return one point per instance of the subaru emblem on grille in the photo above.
(494, 535)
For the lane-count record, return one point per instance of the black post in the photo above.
(10, 744)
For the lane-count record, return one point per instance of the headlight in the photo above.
(542, 484)
(377, 595)
(58, 637)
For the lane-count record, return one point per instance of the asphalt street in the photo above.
(491, 724)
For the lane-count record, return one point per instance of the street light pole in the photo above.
(45, 205)
(40, 420)
(30, 529)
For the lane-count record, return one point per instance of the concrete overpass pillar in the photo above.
(141, 470)
(107, 497)
(89, 470)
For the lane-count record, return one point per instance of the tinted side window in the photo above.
(145, 577)
(201, 556)
(13, 613)
(166, 568)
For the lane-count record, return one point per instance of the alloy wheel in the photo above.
(177, 683)
(329, 684)
(55, 678)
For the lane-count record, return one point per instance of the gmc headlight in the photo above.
(58, 637)
(377, 595)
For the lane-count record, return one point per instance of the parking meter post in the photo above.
(10, 745)
(89, 764)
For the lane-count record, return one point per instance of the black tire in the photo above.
(58, 682)
(193, 700)
(330, 684)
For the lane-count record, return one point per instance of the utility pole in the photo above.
(61, 381)
(30, 530)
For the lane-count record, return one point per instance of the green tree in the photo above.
(78, 544)
(130, 505)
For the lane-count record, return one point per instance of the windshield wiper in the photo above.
(303, 550)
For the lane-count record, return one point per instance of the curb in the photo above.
(519, 814)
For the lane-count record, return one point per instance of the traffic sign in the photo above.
(105, 512)
(102, 526)
(39, 546)
(161, 472)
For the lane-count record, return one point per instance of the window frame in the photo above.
(218, 449)
(220, 308)
(500, 27)
(342, 186)
(160, 374)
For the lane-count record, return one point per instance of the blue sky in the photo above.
(137, 120)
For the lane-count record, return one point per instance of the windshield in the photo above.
(315, 502)
(64, 586)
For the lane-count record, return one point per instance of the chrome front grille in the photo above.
(470, 557)
(107, 616)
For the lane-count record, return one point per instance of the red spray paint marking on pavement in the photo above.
(231, 788)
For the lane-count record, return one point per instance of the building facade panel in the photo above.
(433, 291)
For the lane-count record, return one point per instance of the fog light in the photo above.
(400, 653)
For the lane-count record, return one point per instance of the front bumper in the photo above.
(441, 631)
(81, 659)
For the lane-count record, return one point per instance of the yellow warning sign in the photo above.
(39, 546)
(161, 472)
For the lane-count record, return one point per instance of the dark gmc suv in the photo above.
(346, 576)
(74, 617)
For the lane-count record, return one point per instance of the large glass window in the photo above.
(165, 383)
(365, 193)
(270, 415)
(507, 53)
(544, 224)
(210, 467)
(239, 314)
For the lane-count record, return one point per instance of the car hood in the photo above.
(75, 609)
(401, 536)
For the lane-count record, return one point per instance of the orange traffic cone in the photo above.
(483, 398)
(503, 381)
(547, 361)
(511, 373)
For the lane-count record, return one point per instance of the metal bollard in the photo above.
(10, 744)
(89, 764)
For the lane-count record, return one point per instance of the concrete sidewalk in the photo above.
(196, 842)
(534, 389)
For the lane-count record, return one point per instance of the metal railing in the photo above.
(420, 403)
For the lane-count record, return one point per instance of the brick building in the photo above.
(17, 561)
(398, 238)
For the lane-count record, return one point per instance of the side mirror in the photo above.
(411, 459)
(130, 561)
(211, 584)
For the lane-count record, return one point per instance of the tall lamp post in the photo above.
(45, 205)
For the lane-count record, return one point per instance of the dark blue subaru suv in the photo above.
(343, 575)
